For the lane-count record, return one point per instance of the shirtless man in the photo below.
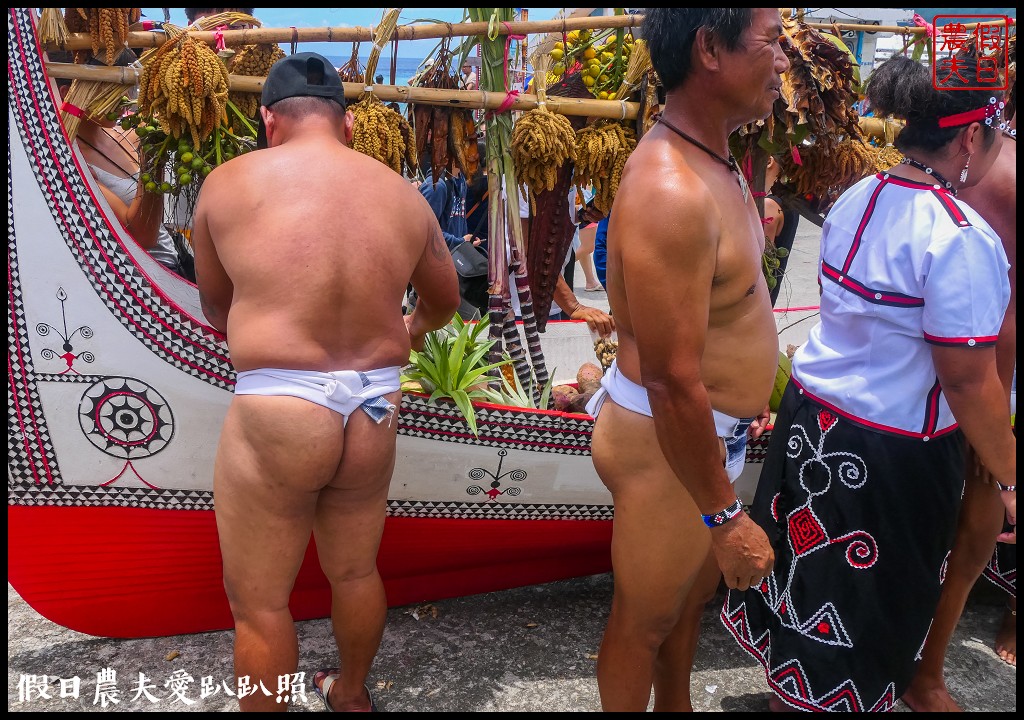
(315, 330)
(698, 352)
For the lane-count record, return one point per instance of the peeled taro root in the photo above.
(588, 378)
(579, 402)
(563, 395)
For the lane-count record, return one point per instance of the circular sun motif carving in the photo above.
(125, 418)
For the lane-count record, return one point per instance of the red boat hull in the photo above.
(145, 573)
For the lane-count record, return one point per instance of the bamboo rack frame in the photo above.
(470, 99)
(898, 29)
(875, 127)
(421, 31)
(418, 31)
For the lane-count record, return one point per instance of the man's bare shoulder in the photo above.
(995, 196)
(1003, 183)
(224, 174)
(341, 167)
(661, 197)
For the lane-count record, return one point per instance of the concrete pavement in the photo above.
(527, 649)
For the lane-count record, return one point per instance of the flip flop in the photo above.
(323, 689)
(596, 288)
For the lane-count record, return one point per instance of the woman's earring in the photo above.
(963, 173)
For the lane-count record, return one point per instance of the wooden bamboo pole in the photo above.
(912, 29)
(471, 99)
(875, 127)
(418, 31)
(898, 29)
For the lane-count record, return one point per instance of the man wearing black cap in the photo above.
(287, 240)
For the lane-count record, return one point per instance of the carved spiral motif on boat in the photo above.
(477, 473)
(125, 418)
(44, 329)
(48, 354)
(517, 475)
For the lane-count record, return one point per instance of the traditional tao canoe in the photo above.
(117, 390)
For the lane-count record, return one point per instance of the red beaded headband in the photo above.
(989, 113)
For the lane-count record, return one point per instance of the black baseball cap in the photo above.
(300, 75)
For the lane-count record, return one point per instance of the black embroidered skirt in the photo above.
(861, 523)
(1002, 568)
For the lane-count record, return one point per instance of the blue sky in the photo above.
(341, 17)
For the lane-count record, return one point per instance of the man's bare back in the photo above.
(318, 256)
(741, 341)
(304, 250)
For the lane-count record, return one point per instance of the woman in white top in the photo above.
(861, 487)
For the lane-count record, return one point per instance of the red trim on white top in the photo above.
(868, 423)
(982, 341)
(861, 226)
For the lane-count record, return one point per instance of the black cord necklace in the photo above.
(931, 171)
(729, 162)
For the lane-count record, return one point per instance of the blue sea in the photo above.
(404, 70)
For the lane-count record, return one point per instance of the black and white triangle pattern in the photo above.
(496, 511)
(28, 493)
(511, 428)
(757, 448)
(29, 449)
(22, 492)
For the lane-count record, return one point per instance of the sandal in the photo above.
(596, 288)
(323, 688)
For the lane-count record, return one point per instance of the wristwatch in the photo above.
(723, 516)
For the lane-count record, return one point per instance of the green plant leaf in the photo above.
(444, 374)
(477, 355)
(545, 395)
(456, 326)
(480, 327)
(466, 406)
(472, 376)
(457, 359)
(494, 397)
(919, 47)
(512, 394)
(429, 371)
